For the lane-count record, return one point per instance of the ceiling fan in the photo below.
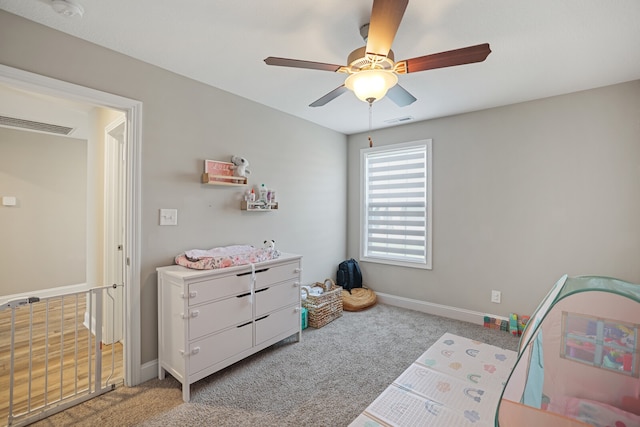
(372, 72)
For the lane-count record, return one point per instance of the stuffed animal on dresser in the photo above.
(240, 165)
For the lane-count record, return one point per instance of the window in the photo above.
(396, 204)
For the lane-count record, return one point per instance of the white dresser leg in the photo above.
(185, 392)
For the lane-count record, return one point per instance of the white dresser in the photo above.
(210, 319)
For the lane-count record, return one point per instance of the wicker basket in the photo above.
(326, 307)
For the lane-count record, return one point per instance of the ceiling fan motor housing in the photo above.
(359, 60)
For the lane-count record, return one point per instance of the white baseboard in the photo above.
(436, 309)
(46, 293)
(86, 323)
(149, 371)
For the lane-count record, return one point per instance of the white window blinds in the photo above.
(396, 209)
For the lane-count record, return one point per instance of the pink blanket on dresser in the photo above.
(226, 256)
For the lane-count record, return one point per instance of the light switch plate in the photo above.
(168, 217)
(8, 201)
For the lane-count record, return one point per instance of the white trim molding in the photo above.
(149, 371)
(46, 293)
(456, 313)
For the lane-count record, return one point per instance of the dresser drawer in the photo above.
(218, 287)
(274, 324)
(279, 273)
(218, 315)
(217, 348)
(274, 297)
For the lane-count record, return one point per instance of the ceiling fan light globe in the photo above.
(367, 84)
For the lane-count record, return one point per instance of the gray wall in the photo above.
(521, 195)
(185, 122)
(44, 237)
(63, 209)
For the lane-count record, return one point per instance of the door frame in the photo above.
(133, 113)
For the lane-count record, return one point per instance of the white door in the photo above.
(114, 230)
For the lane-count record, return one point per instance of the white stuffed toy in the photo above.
(240, 166)
(270, 244)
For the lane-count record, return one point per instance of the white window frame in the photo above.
(426, 261)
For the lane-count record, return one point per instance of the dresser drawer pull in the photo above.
(249, 272)
(262, 318)
(243, 295)
(262, 290)
(191, 294)
(298, 270)
(243, 325)
(195, 313)
(195, 350)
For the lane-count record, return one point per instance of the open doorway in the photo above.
(129, 189)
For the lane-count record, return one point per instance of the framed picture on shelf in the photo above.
(216, 172)
(214, 167)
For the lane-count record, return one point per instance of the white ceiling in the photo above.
(539, 48)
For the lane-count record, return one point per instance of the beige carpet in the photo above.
(327, 379)
(125, 406)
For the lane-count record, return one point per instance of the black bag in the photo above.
(349, 275)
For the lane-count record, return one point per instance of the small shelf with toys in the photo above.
(263, 200)
(221, 173)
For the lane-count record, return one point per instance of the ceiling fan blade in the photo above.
(297, 63)
(383, 25)
(330, 96)
(465, 55)
(400, 96)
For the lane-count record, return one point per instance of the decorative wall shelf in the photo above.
(221, 173)
(258, 206)
(223, 180)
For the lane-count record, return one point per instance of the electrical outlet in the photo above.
(496, 296)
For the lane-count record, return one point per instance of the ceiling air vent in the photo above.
(37, 126)
(399, 120)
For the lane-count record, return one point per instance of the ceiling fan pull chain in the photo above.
(370, 120)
